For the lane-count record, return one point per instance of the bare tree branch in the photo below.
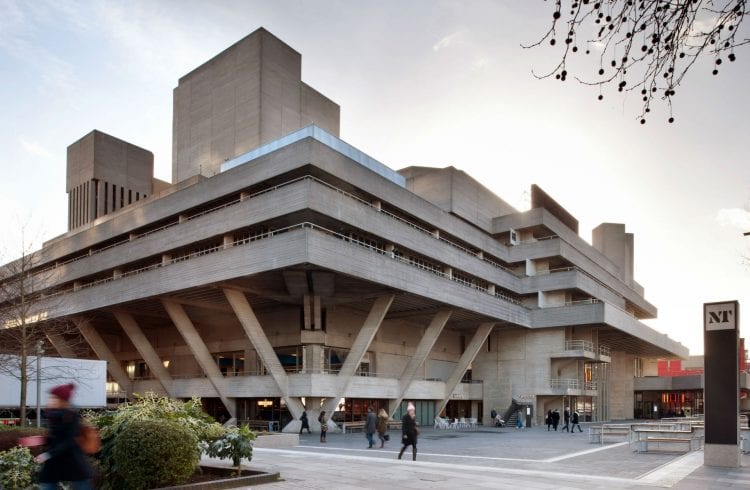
(644, 45)
(24, 327)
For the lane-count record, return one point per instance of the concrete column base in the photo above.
(724, 455)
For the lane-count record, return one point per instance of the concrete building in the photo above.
(286, 270)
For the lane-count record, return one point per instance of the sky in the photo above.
(432, 82)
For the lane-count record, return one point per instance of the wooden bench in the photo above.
(361, 424)
(352, 426)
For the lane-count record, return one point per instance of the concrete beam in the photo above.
(420, 354)
(480, 336)
(263, 347)
(200, 351)
(359, 348)
(61, 345)
(102, 352)
(144, 348)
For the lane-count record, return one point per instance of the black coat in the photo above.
(555, 418)
(66, 459)
(408, 430)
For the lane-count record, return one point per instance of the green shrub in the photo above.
(188, 415)
(150, 406)
(17, 468)
(155, 453)
(236, 444)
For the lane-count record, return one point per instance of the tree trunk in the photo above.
(24, 382)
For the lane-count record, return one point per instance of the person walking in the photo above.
(323, 425)
(409, 431)
(493, 416)
(548, 419)
(64, 460)
(305, 423)
(371, 426)
(382, 426)
(566, 418)
(555, 419)
(519, 421)
(575, 423)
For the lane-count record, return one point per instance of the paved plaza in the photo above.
(489, 458)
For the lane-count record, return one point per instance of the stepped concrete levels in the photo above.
(285, 270)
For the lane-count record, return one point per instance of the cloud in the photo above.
(34, 148)
(446, 41)
(734, 217)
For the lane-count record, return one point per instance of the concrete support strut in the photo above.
(359, 348)
(144, 348)
(60, 345)
(480, 336)
(200, 351)
(263, 347)
(420, 354)
(102, 352)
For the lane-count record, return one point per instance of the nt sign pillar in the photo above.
(721, 374)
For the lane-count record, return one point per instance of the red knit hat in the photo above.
(63, 392)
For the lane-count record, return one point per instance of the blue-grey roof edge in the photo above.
(332, 142)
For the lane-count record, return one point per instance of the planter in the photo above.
(224, 477)
(276, 440)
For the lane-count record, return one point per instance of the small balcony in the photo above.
(584, 349)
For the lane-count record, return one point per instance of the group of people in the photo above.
(552, 420)
(376, 424)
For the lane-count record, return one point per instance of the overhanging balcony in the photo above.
(585, 350)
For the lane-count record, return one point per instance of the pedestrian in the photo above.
(548, 419)
(566, 418)
(64, 460)
(382, 426)
(371, 426)
(493, 416)
(305, 423)
(323, 425)
(519, 422)
(409, 431)
(555, 419)
(575, 423)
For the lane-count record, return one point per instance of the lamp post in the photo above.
(39, 352)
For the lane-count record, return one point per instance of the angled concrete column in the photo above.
(263, 347)
(102, 352)
(60, 345)
(200, 351)
(420, 354)
(359, 348)
(144, 348)
(463, 364)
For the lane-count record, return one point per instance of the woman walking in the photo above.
(409, 431)
(382, 426)
(64, 460)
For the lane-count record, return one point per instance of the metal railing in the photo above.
(587, 346)
(584, 345)
(572, 384)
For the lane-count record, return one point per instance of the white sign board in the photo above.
(720, 316)
(90, 378)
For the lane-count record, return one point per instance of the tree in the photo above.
(646, 46)
(24, 328)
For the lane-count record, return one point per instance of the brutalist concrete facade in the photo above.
(299, 268)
